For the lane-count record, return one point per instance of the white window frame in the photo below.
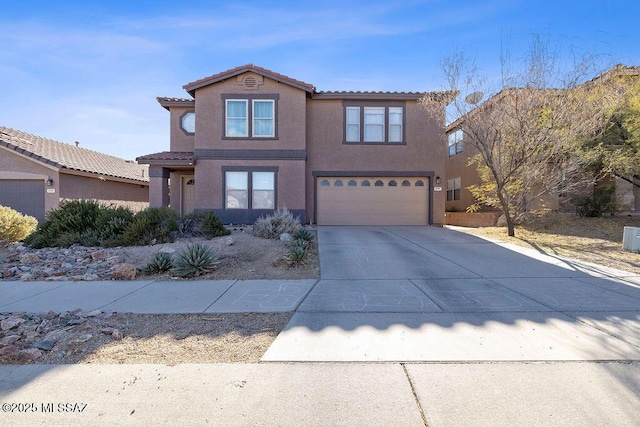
(368, 127)
(226, 118)
(250, 189)
(455, 142)
(395, 110)
(272, 119)
(355, 124)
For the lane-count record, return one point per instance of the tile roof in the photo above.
(168, 102)
(67, 156)
(191, 87)
(379, 95)
(185, 156)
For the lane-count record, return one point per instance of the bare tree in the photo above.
(525, 137)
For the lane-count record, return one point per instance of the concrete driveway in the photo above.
(435, 294)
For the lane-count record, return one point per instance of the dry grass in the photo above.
(596, 240)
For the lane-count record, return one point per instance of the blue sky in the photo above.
(90, 70)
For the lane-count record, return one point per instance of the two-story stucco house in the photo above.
(250, 140)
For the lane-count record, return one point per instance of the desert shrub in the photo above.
(601, 201)
(305, 234)
(202, 224)
(279, 222)
(85, 222)
(297, 253)
(194, 260)
(212, 225)
(160, 263)
(15, 226)
(153, 225)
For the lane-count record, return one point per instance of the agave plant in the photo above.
(194, 260)
(305, 235)
(296, 254)
(160, 263)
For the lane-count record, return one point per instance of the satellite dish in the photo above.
(473, 98)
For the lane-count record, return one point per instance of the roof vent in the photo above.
(250, 81)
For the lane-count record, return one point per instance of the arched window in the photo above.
(338, 183)
(393, 183)
(406, 183)
(419, 183)
(365, 183)
(324, 183)
(379, 183)
(352, 183)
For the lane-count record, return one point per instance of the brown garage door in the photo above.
(24, 195)
(372, 201)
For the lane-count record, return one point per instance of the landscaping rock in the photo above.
(11, 323)
(125, 272)
(286, 237)
(29, 355)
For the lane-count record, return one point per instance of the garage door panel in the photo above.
(404, 203)
(25, 196)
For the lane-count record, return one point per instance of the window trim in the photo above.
(249, 99)
(386, 126)
(249, 171)
(453, 188)
(180, 124)
(456, 142)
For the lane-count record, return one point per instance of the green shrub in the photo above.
(152, 225)
(160, 263)
(279, 222)
(194, 260)
(84, 222)
(296, 254)
(212, 225)
(601, 201)
(15, 226)
(305, 234)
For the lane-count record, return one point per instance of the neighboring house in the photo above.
(460, 175)
(251, 140)
(37, 173)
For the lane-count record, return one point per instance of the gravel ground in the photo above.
(166, 339)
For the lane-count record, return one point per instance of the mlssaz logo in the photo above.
(71, 407)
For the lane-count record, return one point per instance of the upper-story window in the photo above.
(456, 142)
(250, 117)
(188, 122)
(371, 124)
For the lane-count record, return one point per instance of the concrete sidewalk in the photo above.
(407, 326)
(312, 394)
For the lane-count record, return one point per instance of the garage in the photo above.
(24, 195)
(372, 200)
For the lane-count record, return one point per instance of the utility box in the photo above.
(631, 239)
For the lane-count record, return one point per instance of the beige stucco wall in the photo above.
(424, 149)
(291, 116)
(12, 162)
(82, 187)
(290, 188)
(180, 140)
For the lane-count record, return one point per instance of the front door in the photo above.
(188, 194)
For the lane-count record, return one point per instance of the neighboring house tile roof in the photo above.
(66, 156)
(175, 157)
(191, 87)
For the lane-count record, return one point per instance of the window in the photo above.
(188, 122)
(455, 142)
(395, 124)
(374, 124)
(453, 189)
(263, 118)
(253, 117)
(353, 124)
(260, 185)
